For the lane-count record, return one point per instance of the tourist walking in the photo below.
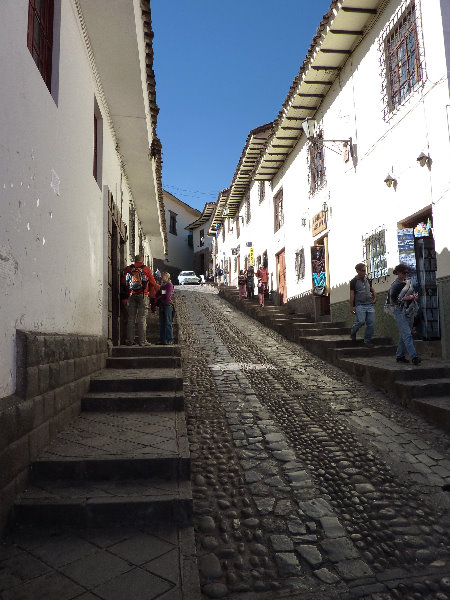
(362, 300)
(403, 298)
(166, 311)
(250, 284)
(242, 285)
(140, 283)
(263, 279)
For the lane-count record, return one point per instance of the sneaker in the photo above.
(144, 343)
(402, 359)
(128, 343)
(416, 360)
(353, 337)
(369, 344)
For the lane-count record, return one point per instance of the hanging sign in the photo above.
(252, 257)
(319, 222)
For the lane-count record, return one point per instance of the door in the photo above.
(116, 264)
(281, 270)
(320, 277)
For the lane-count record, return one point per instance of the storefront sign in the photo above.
(319, 222)
(252, 257)
(406, 252)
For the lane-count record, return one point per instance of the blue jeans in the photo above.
(405, 343)
(165, 323)
(365, 315)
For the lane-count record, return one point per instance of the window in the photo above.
(238, 229)
(248, 213)
(261, 190)
(202, 237)
(316, 163)
(374, 251)
(98, 144)
(403, 65)
(132, 230)
(172, 222)
(278, 208)
(40, 36)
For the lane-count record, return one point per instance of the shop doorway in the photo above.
(320, 277)
(116, 264)
(417, 250)
(281, 273)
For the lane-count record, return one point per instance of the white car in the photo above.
(188, 277)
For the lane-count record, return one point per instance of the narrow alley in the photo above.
(302, 476)
(305, 484)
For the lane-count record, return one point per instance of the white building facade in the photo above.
(372, 184)
(81, 194)
(180, 248)
(202, 242)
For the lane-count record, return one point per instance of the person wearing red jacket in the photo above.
(141, 284)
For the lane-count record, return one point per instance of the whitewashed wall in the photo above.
(358, 199)
(180, 254)
(53, 212)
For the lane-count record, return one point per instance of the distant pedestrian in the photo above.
(157, 275)
(250, 284)
(164, 302)
(262, 275)
(362, 299)
(141, 285)
(402, 296)
(242, 285)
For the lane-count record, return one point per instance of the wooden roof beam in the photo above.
(301, 95)
(317, 82)
(346, 32)
(367, 11)
(334, 51)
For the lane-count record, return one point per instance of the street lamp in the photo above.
(390, 180)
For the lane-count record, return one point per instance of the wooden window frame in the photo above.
(316, 155)
(403, 64)
(202, 238)
(40, 36)
(278, 210)
(172, 222)
(261, 191)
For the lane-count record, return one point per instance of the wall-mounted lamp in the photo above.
(424, 159)
(303, 222)
(325, 207)
(390, 180)
(225, 211)
(242, 218)
(309, 126)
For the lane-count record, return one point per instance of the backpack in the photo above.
(241, 280)
(389, 308)
(136, 279)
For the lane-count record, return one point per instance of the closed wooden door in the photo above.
(282, 289)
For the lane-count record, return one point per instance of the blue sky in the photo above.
(223, 67)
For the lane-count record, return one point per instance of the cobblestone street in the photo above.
(307, 484)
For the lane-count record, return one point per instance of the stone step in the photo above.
(435, 409)
(302, 333)
(117, 445)
(362, 350)
(423, 388)
(380, 373)
(102, 503)
(153, 350)
(134, 401)
(130, 380)
(143, 362)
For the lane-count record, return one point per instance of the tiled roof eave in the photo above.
(340, 31)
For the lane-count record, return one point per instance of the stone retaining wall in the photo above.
(53, 373)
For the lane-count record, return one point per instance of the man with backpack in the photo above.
(141, 284)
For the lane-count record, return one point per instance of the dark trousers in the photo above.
(165, 323)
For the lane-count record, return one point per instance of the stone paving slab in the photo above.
(139, 563)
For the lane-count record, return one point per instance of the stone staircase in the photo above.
(424, 388)
(126, 458)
